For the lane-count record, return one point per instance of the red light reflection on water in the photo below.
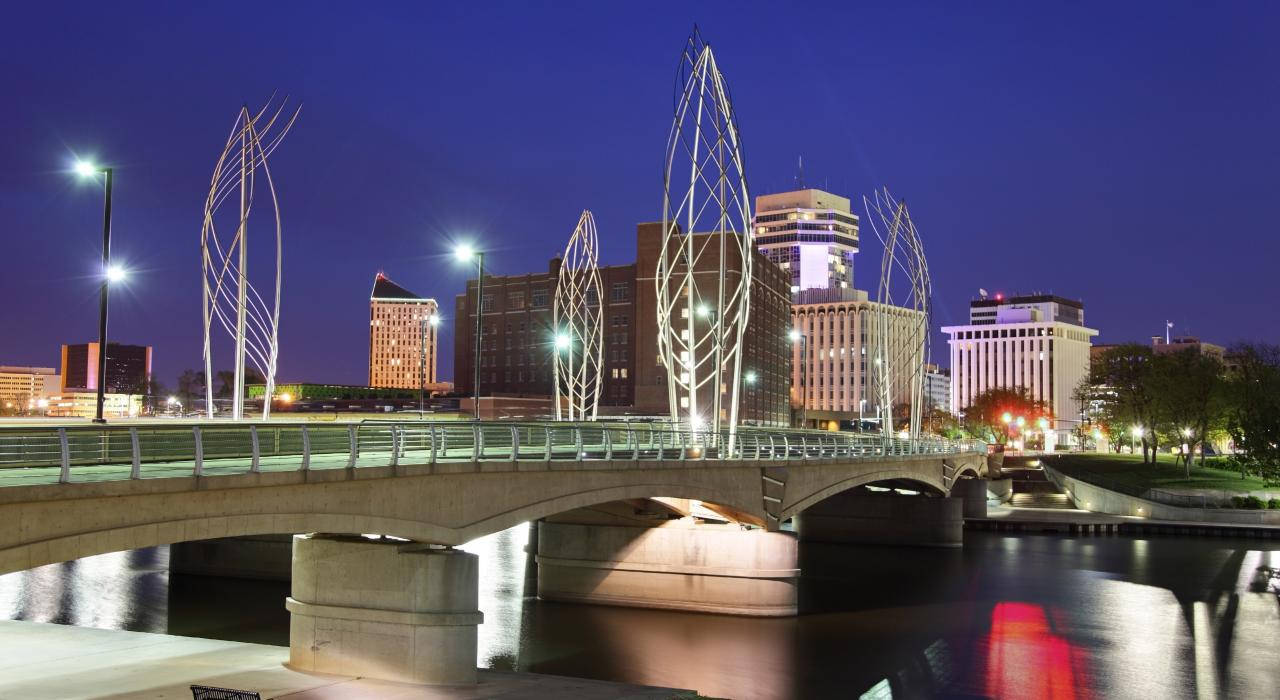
(1026, 659)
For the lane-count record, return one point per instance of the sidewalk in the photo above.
(40, 661)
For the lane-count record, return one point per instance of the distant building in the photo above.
(402, 339)
(1188, 342)
(937, 387)
(809, 233)
(84, 404)
(25, 389)
(128, 368)
(833, 380)
(1037, 342)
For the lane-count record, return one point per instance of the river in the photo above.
(1019, 616)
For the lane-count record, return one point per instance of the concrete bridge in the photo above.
(614, 500)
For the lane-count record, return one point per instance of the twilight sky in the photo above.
(1122, 153)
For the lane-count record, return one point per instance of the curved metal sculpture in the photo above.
(229, 297)
(703, 275)
(901, 347)
(578, 320)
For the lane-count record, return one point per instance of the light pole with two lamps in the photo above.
(110, 273)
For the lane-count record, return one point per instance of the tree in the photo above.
(1121, 384)
(227, 380)
(1253, 414)
(985, 416)
(190, 387)
(1189, 394)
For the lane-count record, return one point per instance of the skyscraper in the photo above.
(811, 234)
(402, 339)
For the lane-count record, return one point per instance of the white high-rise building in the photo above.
(810, 233)
(1038, 343)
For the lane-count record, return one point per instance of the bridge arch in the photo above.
(927, 483)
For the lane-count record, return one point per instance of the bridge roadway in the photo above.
(72, 491)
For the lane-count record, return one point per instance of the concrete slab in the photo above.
(40, 661)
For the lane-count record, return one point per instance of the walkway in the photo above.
(40, 661)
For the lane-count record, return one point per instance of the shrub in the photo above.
(1248, 502)
(1274, 504)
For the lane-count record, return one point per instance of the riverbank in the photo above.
(62, 662)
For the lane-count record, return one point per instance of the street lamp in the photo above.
(434, 321)
(465, 253)
(1135, 433)
(110, 273)
(797, 337)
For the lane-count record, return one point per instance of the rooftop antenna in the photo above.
(800, 170)
(1167, 326)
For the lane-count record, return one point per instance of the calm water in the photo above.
(1006, 616)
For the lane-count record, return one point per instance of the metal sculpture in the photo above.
(703, 275)
(229, 297)
(578, 320)
(902, 348)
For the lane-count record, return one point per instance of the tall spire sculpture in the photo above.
(902, 339)
(242, 176)
(703, 276)
(578, 320)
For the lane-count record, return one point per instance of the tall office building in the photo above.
(809, 233)
(128, 368)
(402, 340)
(24, 389)
(1037, 342)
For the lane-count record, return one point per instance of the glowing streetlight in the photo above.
(1186, 432)
(562, 341)
(87, 169)
(749, 377)
(115, 273)
(794, 335)
(703, 310)
(464, 252)
(1006, 417)
(1021, 421)
(434, 320)
(1043, 423)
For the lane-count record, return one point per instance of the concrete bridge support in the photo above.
(679, 564)
(390, 610)
(973, 493)
(852, 517)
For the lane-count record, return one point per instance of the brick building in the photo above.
(516, 354)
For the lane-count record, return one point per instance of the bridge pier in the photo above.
(854, 518)
(676, 565)
(389, 610)
(973, 493)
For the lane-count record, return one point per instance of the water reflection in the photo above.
(1006, 616)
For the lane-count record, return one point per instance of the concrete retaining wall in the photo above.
(1099, 500)
(680, 565)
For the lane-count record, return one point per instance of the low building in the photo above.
(1187, 342)
(84, 404)
(25, 390)
(937, 387)
(128, 368)
(1036, 342)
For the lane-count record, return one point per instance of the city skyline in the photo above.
(1076, 186)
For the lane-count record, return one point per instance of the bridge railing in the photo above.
(133, 451)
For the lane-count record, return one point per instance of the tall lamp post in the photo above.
(465, 253)
(110, 273)
(564, 343)
(798, 337)
(433, 320)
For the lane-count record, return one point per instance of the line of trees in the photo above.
(1190, 399)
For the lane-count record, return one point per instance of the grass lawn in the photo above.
(1130, 471)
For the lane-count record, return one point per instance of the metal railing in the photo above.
(134, 451)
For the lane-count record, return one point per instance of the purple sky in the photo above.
(1121, 153)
